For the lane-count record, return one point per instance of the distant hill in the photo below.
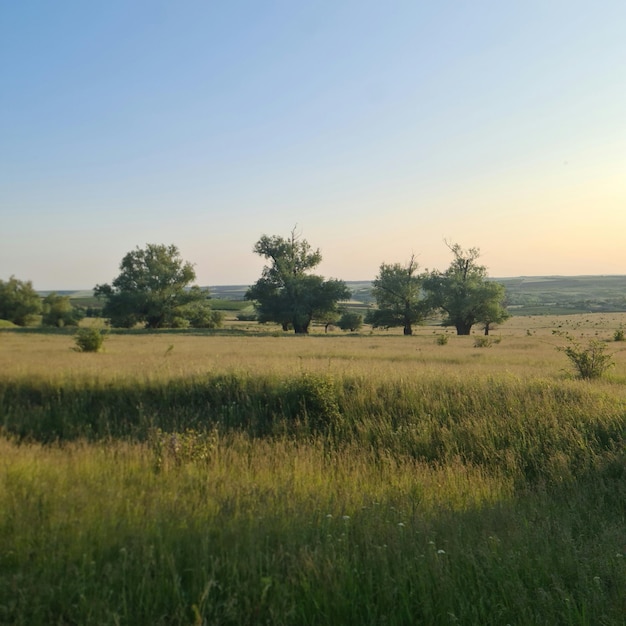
(526, 295)
(531, 295)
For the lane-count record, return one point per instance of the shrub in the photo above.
(89, 340)
(58, 311)
(618, 335)
(591, 360)
(246, 316)
(442, 340)
(175, 449)
(482, 342)
(316, 401)
(200, 315)
(179, 322)
(350, 321)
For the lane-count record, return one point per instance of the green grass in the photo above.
(220, 304)
(282, 532)
(319, 480)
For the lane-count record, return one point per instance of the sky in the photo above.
(379, 130)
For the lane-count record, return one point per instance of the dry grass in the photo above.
(526, 348)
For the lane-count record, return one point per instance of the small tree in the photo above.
(399, 298)
(286, 293)
(19, 302)
(351, 321)
(329, 319)
(591, 360)
(493, 311)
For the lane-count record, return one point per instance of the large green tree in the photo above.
(287, 293)
(153, 288)
(399, 297)
(19, 302)
(465, 294)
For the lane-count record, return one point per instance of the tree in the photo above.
(152, 288)
(286, 293)
(58, 311)
(351, 321)
(19, 302)
(399, 297)
(464, 293)
(493, 311)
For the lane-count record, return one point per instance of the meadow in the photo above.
(246, 476)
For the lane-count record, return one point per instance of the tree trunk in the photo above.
(408, 330)
(301, 328)
(463, 328)
(486, 328)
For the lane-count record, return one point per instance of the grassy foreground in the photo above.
(318, 480)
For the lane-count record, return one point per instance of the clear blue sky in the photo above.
(379, 128)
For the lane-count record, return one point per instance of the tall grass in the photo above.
(283, 532)
(533, 429)
(362, 480)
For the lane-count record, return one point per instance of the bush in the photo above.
(618, 335)
(482, 342)
(205, 317)
(350, 321)
(179, 322)
(590, 361)
(58, 311)
(316, 401)
(247, 316)
(89, 340)
(442, 340)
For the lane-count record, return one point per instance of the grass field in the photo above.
(245, 476)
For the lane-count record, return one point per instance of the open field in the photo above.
(250, 477)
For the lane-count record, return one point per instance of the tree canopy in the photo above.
(286, 293)
(351, 321)
(19, 302)
(464, 293)
(399, 297)
(153, 288)
(58, 311)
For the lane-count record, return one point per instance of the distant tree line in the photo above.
(154, 288)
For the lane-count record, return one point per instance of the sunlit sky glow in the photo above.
(380, 129)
